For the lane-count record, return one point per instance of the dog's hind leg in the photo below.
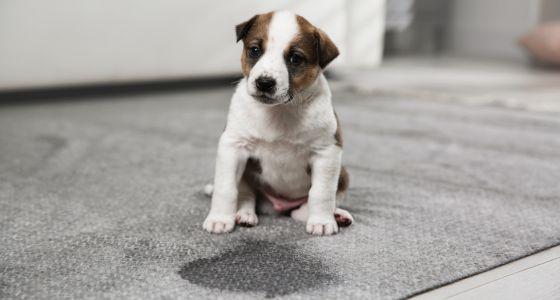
(246, 215)
(343, 217)
(246, 204)
(301, 213)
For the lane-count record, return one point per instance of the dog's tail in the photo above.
(208, 190)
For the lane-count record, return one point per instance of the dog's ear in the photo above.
(242, 29)
(326, 49)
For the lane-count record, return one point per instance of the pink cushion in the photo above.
(544, 43)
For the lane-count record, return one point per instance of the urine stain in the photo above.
(259, 267)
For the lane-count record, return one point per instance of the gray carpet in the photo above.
(101, 198)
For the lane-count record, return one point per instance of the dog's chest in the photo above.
(284, 167)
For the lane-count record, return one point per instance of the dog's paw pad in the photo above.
(246, 219)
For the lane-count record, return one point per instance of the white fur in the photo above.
(284, 138)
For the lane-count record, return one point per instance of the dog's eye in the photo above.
(296, 59)
(254, 52)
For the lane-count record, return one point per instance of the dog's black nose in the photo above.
(265, 84)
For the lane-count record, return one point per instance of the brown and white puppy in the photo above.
(282, 146)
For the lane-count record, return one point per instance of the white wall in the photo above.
(365, 28)
(65, 42)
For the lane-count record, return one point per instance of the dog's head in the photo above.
(282, 55)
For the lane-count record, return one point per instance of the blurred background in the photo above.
(64, 43)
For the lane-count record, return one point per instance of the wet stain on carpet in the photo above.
(259, 267)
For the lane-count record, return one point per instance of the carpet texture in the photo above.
(102, 198)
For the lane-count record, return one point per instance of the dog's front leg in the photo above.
(325, 166)
(230, 164)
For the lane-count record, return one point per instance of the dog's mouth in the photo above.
(263, 98)
(266, 99)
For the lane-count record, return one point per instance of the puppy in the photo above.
(282, 145)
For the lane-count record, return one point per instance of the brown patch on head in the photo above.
(254, 33)
(338, 133)
(326, 48)
(314, 49)
(343, 180)
(303, 45)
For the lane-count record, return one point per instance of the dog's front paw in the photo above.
(246, 218)
(322, 225)
(217, 223)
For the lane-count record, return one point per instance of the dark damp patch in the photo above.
(261, 267)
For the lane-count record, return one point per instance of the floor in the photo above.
(534, 277)
(474, 82)
(504, 84)
(454, 171)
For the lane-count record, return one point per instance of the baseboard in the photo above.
(76, 92)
